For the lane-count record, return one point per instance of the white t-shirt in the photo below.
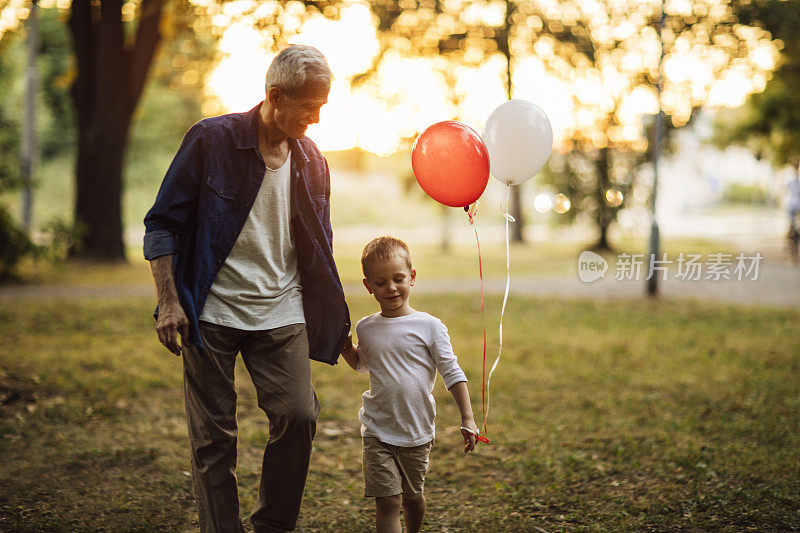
(258, 286)
(402, 356)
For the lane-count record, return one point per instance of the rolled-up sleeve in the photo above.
(176, 201)
(159, 242)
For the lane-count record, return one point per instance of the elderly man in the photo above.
(240, 246)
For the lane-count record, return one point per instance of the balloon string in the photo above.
(509, 219)
(472, 212)
(504, 208)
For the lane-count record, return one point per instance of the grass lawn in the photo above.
(605, 416)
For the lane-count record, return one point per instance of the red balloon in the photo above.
(451, 163)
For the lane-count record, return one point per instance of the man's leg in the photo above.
(211, 415)
(278, 363)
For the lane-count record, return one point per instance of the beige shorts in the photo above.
(390, 470)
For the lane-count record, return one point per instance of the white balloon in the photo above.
(519, 138)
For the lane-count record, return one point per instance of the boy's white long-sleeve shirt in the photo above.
(402, 356)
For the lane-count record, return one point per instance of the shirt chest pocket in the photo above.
(217, 199)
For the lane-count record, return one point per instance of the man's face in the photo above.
(294, 112)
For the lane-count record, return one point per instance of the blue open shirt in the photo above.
(204, 201)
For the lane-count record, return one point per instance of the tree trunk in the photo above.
(605, 213)
(109, 82)
(98, 191)
(30, 145)
(516, 212)
(602, 241)
(446, 228)
(504, 47)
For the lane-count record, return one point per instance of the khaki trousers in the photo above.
(278, 363)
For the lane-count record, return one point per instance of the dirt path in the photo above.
(777, 285)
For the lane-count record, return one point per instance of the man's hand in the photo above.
(171, 318)
(470, 433)
(171, 321)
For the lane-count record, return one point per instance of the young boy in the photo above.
(401, 349)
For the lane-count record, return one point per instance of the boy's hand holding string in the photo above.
(468, 428)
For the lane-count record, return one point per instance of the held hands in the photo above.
(171, 321)
(470, 433)
(350, 352)
(349, 348)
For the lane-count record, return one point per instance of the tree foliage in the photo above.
(11, 66)
(607, 54)
(601, 55)
(601, 59)
(53, 117)
(769, 123)
(114, 44)
(598, 183)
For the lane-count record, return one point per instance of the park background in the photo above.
(611, 410)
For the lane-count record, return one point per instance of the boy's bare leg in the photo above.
(414, 512)
(387, 514)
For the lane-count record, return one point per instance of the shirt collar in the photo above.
(248, 132)
(248, 136)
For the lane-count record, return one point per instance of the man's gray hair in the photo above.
(295, 65)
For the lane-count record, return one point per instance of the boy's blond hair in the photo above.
(384, 248)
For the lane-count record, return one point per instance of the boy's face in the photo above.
(390, 281)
